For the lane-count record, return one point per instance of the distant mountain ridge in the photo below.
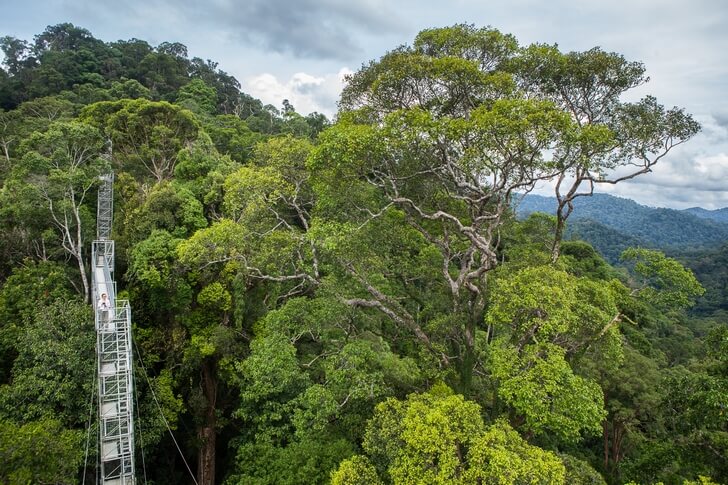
(718, 215)
(612, 223)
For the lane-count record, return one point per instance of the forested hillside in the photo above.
(352, 302)
(609, 242)
(719, 215)
(711, 268)
(653, 227)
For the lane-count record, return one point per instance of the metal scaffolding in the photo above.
(114, 357)
(105, 208)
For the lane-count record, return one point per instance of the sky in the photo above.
(301, 50)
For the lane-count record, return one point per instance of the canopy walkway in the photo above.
(113, 352)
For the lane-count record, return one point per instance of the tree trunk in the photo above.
(84, 278)
(466, 372)
(6, 152)
(612, 445)
(468, 358)
(617, 437)
(605, 435)
(558, 233)
(206, 431)
(79, 256)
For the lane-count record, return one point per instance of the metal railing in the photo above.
(105, 207)
(114, 354)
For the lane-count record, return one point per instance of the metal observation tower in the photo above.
(113, 352)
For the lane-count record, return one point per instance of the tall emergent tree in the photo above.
(147, 136)
(58, 170)
(615, 140)
(448, 131)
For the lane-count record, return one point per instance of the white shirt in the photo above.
(104, 305)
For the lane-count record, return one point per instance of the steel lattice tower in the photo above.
(114, 354)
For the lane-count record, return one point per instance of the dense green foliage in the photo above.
(711, 268)
(354, 303)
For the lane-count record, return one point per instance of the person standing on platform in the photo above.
(104, 307)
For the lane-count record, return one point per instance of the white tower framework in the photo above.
(105, 208)
(114, 354)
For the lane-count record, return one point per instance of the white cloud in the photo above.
(691, 170)
(306, 92)
(714, 169)
(689, 176)
(674, 197)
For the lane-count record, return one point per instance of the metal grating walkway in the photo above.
(113, 351)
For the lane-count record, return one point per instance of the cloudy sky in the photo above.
(301, 49)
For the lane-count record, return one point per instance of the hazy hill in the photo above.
(718, 215)
(606, 221)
